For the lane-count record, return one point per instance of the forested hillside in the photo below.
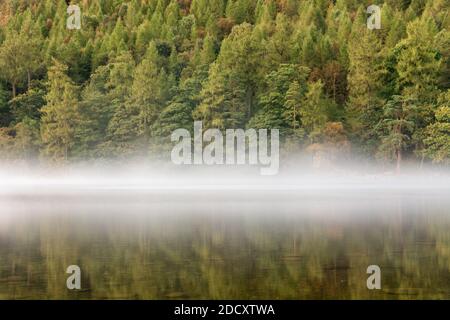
(139, 69)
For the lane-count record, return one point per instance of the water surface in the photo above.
(242, 245)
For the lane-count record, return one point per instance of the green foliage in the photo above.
(28, 105)
(150, 89)
(19, 58)
(314, 112)
(419, 62)
(280, 104)
(60, 115)
(437, 141)
(137, 70)
(364, 79)
(27, 138)
(229, 94)
(4, 108)
(397, 127)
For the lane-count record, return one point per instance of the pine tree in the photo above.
(60, 115)
(364, 83)
(294, 97)
(27, 139)
(240, 10)
(200, 10)
(279, 46)
(397, 127)
(150, 90)
(28, 105)
(4, 108)
(7, 150)
(314, 111)
(123, 127)
(274, 109)
(437, 135)
(18, 60)
(229, 94)
(419, 64)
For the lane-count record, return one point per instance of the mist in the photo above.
(168, 178)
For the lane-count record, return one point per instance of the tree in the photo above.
(6, 144)
(419, 66)
(335, 139)
(229, 94)
(27, 139)
(280, 101)
(203, 9)
(364, 81)
(19, 53)
(335, 79)
(437, 135)
(314, 111)
(122, 127)
(240, 10)
(331, 146)
(279, 45)
(60, 115)
(150, 89)
(397, 128)
(294, 97)
(419, 63)
(4, 107)
(28, 105)
(14, 61)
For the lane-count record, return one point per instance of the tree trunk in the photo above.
(66, 152)
(295, 117)
(421, 161)
(334, 87)
(249, 99)
(14, 90)
(399, 160)
(29, 79)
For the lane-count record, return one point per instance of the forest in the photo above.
(137, 70)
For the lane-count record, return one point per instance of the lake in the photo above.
(225, 245)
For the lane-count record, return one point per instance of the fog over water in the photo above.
(177, 232)
(219, 178)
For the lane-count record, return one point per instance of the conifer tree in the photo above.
(419, 64)
(314, 111)
(364, 82)
(17, 60)
(437, 134)
(60, 115)
(150, 90)
(397, 128)
(229, 94)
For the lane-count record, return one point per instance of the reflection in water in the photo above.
(257, 247)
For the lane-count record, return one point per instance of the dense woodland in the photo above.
(138, 69)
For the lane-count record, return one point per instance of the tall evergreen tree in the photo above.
(437, 134)
(365, 71)
(60, 115)
(229, 94)
(397, 127)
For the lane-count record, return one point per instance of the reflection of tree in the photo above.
(233, 257)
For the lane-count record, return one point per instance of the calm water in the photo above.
(236, 246)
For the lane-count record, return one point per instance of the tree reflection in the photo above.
(307, 251)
